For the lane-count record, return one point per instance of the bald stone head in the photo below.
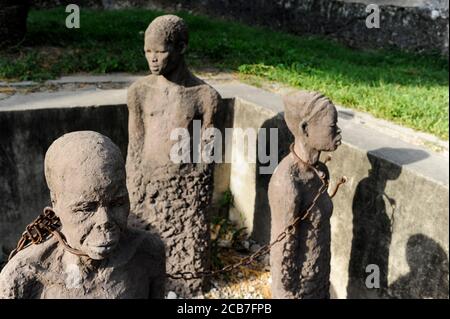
(312, 119)
(166, 40)
(85, 173)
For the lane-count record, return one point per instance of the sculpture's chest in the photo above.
(105, 283)
(174, 104)
(313, 195)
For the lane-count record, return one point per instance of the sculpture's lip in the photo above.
(103, 250)
(104, 245)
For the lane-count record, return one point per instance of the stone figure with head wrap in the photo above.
(300, 264)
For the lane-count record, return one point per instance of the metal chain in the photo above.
(41, 229)
(288, 230)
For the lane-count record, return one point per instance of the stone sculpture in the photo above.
(169, 197)
(300, 264)
(100, 256)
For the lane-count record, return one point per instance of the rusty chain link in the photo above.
(41, 229)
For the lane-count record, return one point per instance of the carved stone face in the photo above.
(322, 132)
(86, 176)
(162, 56)
(93, 209)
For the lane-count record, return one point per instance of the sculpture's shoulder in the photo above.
(139, 87)
(208, 94)
(142, 83)
(283, 192)
(34, 255)
(282, 176)
(20, 276)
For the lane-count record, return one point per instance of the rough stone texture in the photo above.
(29, 123)
(85, 172)
(13, 21)
(172, 198)
(300, 264)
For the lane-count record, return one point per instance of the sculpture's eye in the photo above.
(86, 207)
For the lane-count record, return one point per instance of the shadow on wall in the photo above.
(373, 214)
(428, 271)
(261, 217)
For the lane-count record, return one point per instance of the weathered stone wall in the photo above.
(418, 25)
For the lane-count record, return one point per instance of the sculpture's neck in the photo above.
(306, 154)
(179, 75)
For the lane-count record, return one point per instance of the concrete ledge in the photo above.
(393, 212)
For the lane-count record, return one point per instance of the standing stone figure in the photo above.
(167, 196)
(300, 264)
(100, 257)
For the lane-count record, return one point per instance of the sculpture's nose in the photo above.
(103, 220)
(154, 58)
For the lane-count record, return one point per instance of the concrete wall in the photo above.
(393, 212)
(391, 217)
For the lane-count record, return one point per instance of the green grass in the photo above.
(408, 89)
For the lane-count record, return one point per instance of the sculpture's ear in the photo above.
(182, 47)
(53, 198)
(304, 128)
